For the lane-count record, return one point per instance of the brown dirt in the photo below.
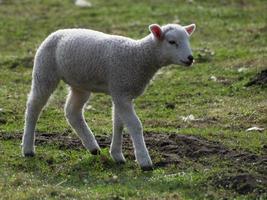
(259, 79)
(247, 172)
(243, 183)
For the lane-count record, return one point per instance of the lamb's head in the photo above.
(173, 41)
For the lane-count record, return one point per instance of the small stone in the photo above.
(242, 69)
(114, 178)
(83, 3)
(188, 118)
(255, 128)
(213, 78)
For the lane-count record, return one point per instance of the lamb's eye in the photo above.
(172, 42)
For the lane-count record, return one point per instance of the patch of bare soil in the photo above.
(247, 172)
(243, 183)
(259, 79)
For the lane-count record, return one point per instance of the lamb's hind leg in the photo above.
(40, 93)
(74, 114)
(116, 144)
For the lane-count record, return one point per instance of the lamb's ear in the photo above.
(156, 30)
(190, 29)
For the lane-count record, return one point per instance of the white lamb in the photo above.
(90, 61)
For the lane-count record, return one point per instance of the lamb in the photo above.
(91, 61)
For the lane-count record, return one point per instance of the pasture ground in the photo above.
(195, 119)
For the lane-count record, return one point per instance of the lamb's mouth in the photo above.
(187, 63)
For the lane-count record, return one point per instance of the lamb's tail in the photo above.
(45, 65)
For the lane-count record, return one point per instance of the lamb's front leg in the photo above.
(125, 109)
(116, 144)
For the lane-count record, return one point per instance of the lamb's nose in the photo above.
(191, 58)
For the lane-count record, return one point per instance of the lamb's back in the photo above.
(87, 57)
(87, 47)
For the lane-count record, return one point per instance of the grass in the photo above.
(234, 34)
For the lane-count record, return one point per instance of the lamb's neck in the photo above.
(150, 52)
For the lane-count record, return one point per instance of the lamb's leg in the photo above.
(74, 114)
(40, 93)
(116, 144)
(126, 112)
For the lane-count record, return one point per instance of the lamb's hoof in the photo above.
(121, 162)
(29, 155)
(147, 168)
(95, 152)
(118, 158)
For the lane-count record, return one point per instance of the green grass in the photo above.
(235, 31)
